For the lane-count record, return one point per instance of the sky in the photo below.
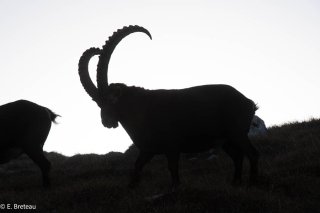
(268, 50)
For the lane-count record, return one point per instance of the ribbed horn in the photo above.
(107, 50)
(85, 79)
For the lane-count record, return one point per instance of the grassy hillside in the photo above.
(289, 182)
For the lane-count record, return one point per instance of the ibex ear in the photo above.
(115, 94)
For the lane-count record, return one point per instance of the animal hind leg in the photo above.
(173, 166)
(253, 156)
(36, 154)
(142, 160)
(236, 154)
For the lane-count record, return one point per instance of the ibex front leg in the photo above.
(142, 160)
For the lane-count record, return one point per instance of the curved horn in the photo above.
(85, 79)
(108, 48)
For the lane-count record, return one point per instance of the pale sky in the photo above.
(268, 50)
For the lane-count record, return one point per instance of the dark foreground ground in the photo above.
(289, 182)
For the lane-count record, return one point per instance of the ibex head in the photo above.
(105, 95)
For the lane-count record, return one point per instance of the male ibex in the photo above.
(24, 127)
(175, 121)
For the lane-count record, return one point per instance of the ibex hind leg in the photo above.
(237, 148)
(33, 147)
(173, 166)
(253, 156)
(37, 155)
(234, 150)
